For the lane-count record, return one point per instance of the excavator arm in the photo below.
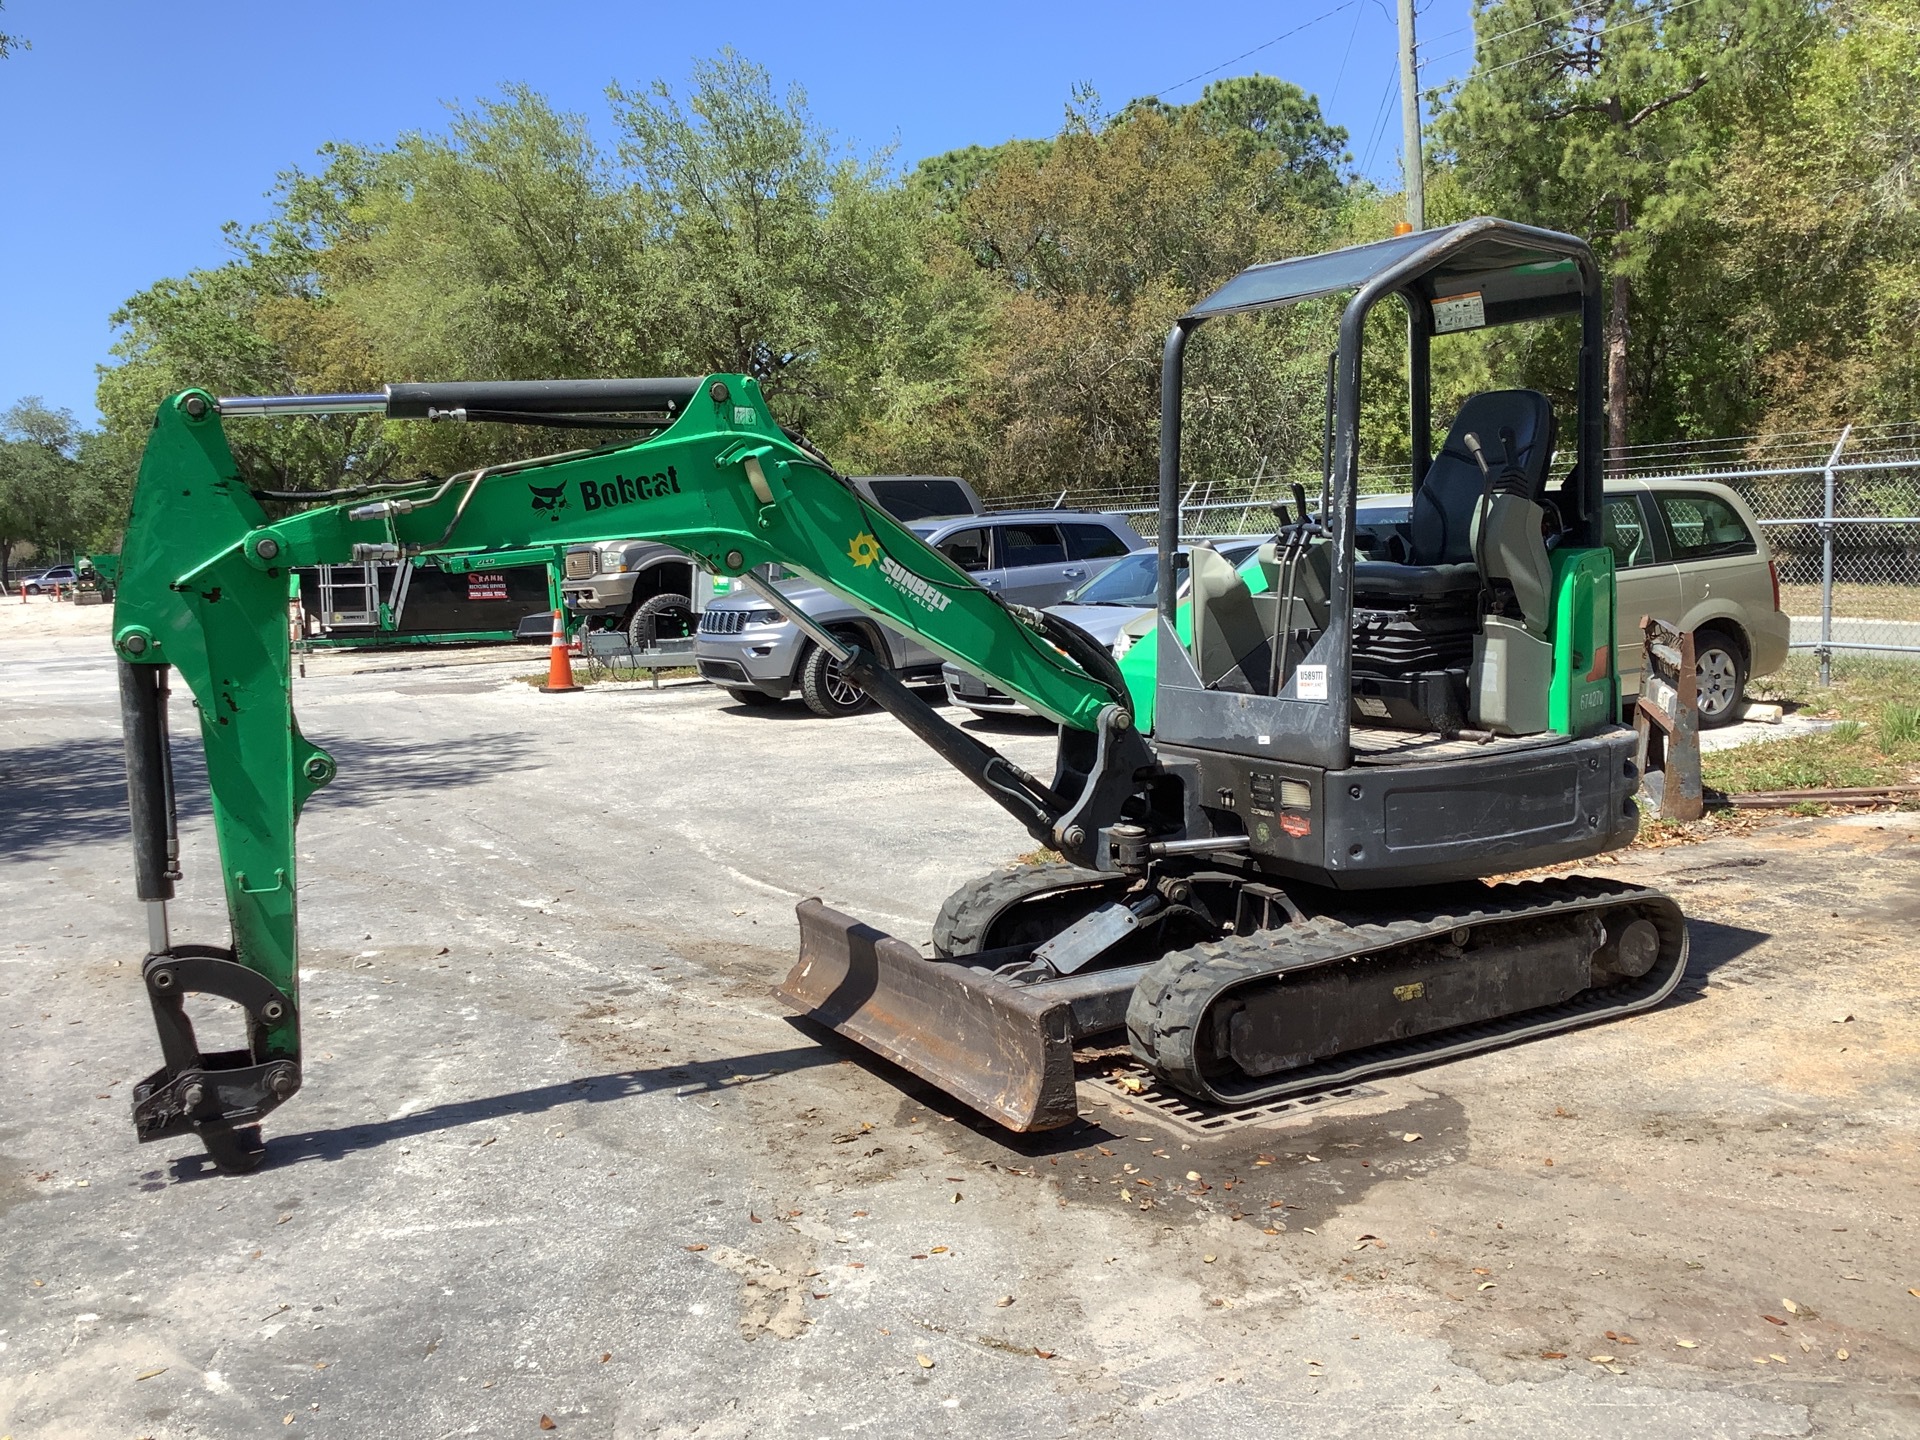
(202, 592)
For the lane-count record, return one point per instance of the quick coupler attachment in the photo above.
(220, 1097)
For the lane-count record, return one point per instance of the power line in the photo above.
(1506, 34)
(1263, 45)
(1493, 40)
(1380, 120)
(1646, 19)
(1345, 55)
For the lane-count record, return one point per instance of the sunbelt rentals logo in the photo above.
(864, 550)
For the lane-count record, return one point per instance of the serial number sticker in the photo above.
(1459, 312)
(1410, 992)
(1311, 682)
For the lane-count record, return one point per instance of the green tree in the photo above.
(945, 181)
(37, 468)
(1608, 118)
(774, 255)
(1275, 121)
(11, 43)
(1095, 247)
(1822, 225)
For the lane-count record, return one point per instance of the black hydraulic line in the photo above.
(143, 718)
(353, 492)
(543, 397)
(1086, 652)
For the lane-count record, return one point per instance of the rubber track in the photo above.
(1171, 1002)
(969, 912)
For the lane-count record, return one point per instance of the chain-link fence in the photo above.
(1841, 514)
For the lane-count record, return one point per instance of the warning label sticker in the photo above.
(1459, 312)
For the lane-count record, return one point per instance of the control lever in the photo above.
(1472, 442)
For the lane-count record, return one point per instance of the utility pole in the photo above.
(1415, 163)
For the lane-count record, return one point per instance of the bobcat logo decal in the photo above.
(549, 497)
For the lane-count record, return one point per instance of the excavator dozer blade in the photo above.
(1003, 1049)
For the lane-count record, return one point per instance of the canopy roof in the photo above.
(1517, 271)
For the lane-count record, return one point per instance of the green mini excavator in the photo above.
(1282, 888)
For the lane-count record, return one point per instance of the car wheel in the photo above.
(659, 617)
(827, 691)
(755, 699)
(1721, 669)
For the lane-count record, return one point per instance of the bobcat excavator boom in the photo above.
(203, 592)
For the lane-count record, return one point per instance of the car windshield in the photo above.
(1128, 581)
(1133, 579)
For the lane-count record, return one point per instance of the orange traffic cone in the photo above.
(559, 661)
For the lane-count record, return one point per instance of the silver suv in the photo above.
(1033, 557)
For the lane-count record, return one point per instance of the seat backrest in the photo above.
(1507, 537)
(1443, 509)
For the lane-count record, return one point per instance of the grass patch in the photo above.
(1855, 602)
(1862, 685)
(1806, 762)
(1875, 704)
(1899, 725)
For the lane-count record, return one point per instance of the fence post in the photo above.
(1825, 649)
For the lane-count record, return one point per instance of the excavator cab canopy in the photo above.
(1520, 273)
(1473, 275)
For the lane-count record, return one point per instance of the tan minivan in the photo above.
(1691, 551)
(1686, 551)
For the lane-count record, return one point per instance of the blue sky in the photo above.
(133, 130)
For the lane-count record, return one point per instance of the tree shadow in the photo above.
(75, 792)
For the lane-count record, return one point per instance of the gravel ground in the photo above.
(560, 1155)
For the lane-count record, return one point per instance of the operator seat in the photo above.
(1441, 539)
(1414, 624)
